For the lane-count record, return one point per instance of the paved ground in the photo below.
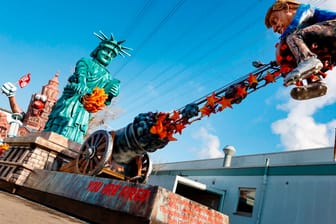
(15, 209)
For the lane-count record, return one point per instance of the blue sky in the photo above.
(183, 50)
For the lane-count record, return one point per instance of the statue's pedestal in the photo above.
(43, 150)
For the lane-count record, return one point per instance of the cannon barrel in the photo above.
(123, 151)
(135, 139)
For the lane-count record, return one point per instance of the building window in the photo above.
(246, 201)
(204, 197)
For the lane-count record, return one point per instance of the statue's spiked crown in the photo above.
(112, 44)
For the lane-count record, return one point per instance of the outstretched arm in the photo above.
(9, 89)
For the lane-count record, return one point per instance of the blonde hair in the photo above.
(278, 6)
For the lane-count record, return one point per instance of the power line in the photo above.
(210, 38)
(168, 79)
(137, 19)
(232, 53)
(154, 31)
(171, 44)
(180, 79)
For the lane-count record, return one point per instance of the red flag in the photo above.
(24, 80)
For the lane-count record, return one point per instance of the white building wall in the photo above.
(231, 184)
(300, 199)
(287, 199)
(303, 194)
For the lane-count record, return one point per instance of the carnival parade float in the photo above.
(47, 157)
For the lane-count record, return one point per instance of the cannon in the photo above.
(123, 154)
(120, 154)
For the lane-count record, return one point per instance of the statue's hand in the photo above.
(9, 89)
(112, 88)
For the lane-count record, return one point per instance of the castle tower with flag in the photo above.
(40, 107)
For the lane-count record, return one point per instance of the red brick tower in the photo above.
(40, 107)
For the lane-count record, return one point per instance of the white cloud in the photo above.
(326, 4)
(299, 130)
(209, 144)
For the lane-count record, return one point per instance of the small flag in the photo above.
(24, 80)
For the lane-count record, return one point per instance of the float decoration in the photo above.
(24, 80)
(95, 101)
(3, 148)
(69, 116)
(168, 124)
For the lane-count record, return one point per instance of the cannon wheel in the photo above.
(94, 153)
(145, 171)
(146, 166)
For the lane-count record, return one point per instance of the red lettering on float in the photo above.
(111, 189)
(141, 195)
(94, 186)
(127, 192)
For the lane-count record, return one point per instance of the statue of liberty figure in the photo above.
(69, 116)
